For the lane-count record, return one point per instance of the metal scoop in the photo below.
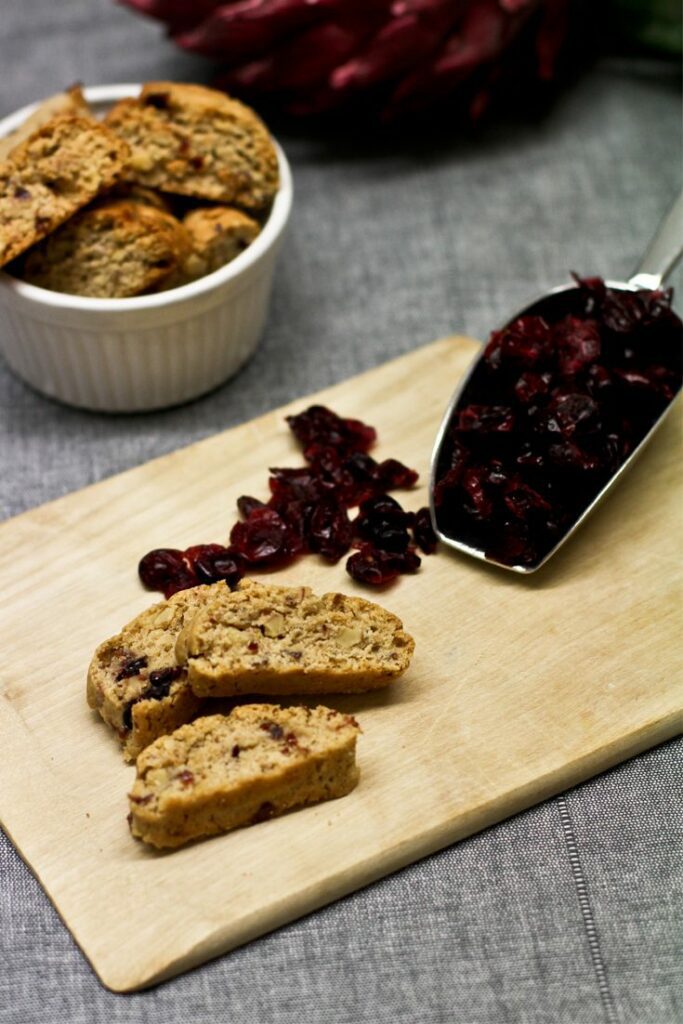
(661, 257)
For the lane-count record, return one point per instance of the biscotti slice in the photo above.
(195, 141)
(285, 640)
(134, 679)
(222, 772)
(72, 101)
(218, 234)
(113, 249)
(58, 170)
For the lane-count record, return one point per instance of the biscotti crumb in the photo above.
(223, 772)
(270, 639)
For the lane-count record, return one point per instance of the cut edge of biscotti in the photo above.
(56, 171)
(119, 684)
(114, 248)
(275, 640)
(191, 140)
(223, 772)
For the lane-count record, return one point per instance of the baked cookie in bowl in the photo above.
(122, 300)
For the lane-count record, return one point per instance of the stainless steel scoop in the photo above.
(661, 257)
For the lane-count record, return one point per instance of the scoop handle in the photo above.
(664, 251)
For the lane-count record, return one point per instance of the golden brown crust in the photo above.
(114, 249)
(222, 772)
(286, 640)
(194, 141)
(58, 170)
(218, 234)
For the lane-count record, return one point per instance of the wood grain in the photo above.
(520, 686)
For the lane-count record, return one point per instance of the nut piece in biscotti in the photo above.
(134, 679)
(218, 234)
(194, 141)
(222, 772)
(113, 249)
(285, 640)
(58, 170)
(71, 101)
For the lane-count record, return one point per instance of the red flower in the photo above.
(399, 56)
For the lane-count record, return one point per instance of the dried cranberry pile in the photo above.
(559, 401)
(308, 513)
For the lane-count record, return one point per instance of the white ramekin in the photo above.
(151, 351)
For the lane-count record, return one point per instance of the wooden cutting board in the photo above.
(519, 688)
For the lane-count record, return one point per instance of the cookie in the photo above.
(222, 772)
(269, 639)
(114, 249)
(134, 679)
(58, 170)
(194, 141)
(218, 234)
(71, 101)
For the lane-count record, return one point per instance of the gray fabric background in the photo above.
(570, 912)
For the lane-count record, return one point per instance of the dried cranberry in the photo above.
(578, 344)
(196, 551)
(525, 342)
(361, 482)
(131, 667)
(477, 502)
(485, 419)
(303, 484)
(329, 531)
(246, 505)
(383, 523)
(531, 387)
(217, 563)
(392, 474)
(425, 538)
(263, 540)
(128, 716)
(571, 457)
(575, 414)
(276, 731)
(523, 501)
(323, 458)
(377, 568)
(160, 682)
(625, 312)
(318, 425)
(160, 567)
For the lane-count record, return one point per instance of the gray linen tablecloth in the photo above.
(570, 912)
